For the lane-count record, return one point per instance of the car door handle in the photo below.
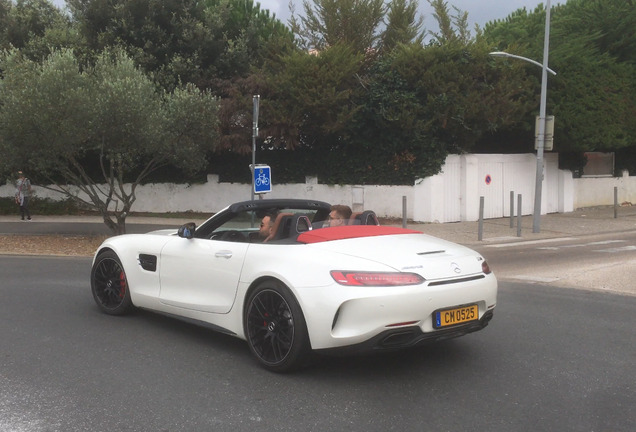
(224, 254)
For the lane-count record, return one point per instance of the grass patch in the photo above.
(41, 206)
(49, 207)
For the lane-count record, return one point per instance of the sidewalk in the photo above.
(585, 221)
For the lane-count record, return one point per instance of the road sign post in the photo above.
(256, 101)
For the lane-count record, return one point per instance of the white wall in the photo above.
(213, 196)
(451, 196)
(596, 191)
(454, 194)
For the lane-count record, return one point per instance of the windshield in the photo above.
(261, 225)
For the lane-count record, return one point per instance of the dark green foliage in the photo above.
(36, 27)
(200, 42)
(402, 25)
(393, 130)
(351, 166)
(592, 48)
(316, 110)
(625, 159)
(327, 23)
(390, 118)
(611, 25)
(452, 28)
(573, 161)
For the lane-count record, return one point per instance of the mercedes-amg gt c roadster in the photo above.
(302, 288)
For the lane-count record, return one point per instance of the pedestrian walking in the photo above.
(22, 195)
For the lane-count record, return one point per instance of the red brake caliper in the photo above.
(122, 283)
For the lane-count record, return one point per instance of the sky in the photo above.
(479, 11)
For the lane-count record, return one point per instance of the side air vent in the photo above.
(148, 262)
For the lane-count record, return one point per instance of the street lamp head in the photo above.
(508, 55)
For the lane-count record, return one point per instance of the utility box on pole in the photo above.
(548, 141)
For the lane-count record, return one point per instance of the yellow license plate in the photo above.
(460, 315)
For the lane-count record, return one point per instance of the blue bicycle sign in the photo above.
(262, 179)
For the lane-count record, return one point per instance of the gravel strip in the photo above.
(56, 245)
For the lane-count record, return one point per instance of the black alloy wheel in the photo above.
(275, 328)
(110, 285)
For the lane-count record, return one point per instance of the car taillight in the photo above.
(355, 278)
(485, 267)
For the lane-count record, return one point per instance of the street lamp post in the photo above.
(255, 102)
(536, 217)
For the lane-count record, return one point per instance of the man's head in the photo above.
(339, 215)
(267, 224)
(20, 174)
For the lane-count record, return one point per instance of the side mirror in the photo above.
(187, 230)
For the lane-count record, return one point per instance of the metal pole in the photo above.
(519, 215)
(403, 211)
(512, 209)
(255, 101)
(615, 202)
(480, 231)
(536, 217)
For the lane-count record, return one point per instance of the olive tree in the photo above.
(95, 134)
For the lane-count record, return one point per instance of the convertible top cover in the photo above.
(349, 232)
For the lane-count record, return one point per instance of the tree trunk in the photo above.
(117, 226)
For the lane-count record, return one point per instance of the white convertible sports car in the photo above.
(352, 288)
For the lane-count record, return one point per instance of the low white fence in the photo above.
(213, 196)
(451, 196)
(596, 191)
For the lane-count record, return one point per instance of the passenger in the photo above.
(338, 216)
(267, 224)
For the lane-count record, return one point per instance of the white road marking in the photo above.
(531, 242)
(535, 279)
(615, 250)
(606, 242)
(572, 246)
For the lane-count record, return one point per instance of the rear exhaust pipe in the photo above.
(486, 318)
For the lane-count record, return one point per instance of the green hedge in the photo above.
(41, 206)
(349, 166)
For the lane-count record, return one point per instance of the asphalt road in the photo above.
(551, 359)
(604, 262)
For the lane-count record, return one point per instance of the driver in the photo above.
(267, 225)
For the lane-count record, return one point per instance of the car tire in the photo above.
(110, 285)
(275, 327)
